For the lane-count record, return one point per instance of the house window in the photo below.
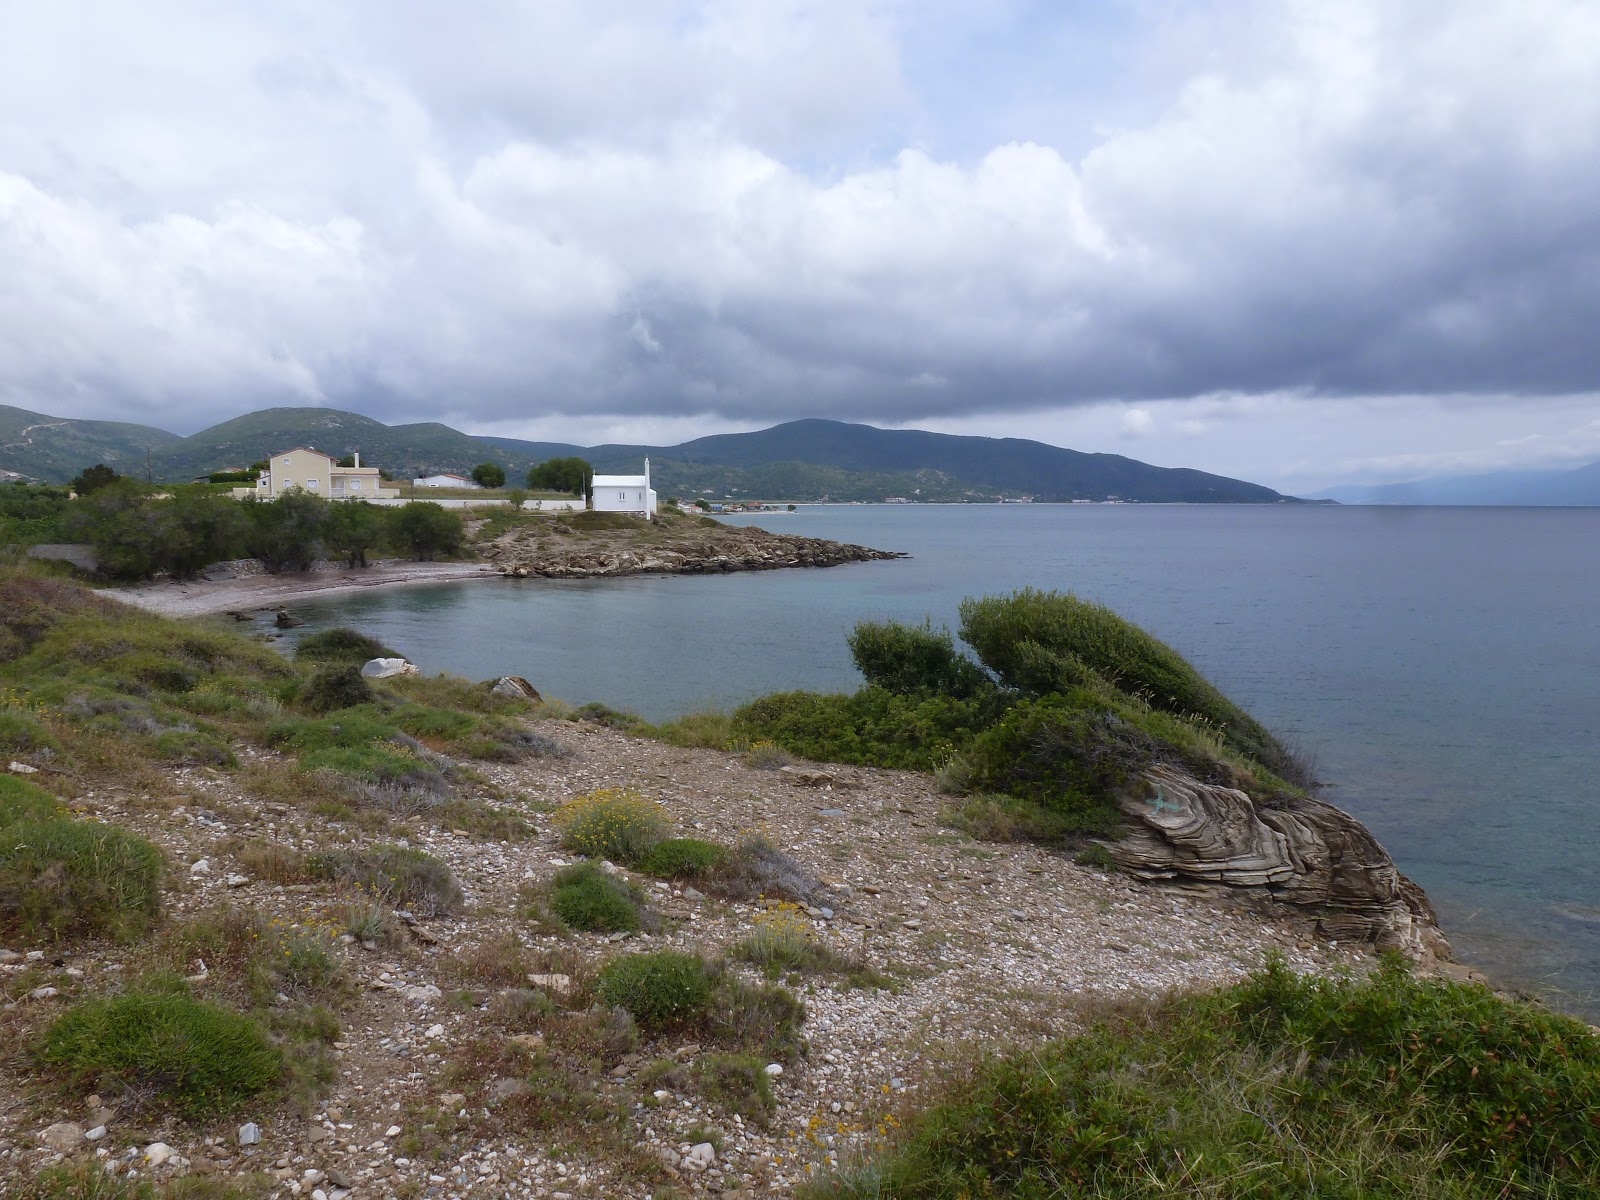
(266, 481)
(355, 485)
(312, 484)
(286, 462)
(622, 496)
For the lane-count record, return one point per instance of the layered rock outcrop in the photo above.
(1305, 852)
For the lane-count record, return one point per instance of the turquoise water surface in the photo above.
(1440, 664)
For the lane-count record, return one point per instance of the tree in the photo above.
(93, 479)
(354, 527)
(196, 528)
(489, 475)
(115, 519)
(287, 532)
(562, 475)
(516, 497)
(427, 529)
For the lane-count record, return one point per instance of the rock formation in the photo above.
(700, 550)
(1306, 852)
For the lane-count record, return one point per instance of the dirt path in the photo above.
(202, 597)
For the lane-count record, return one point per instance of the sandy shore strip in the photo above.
(203, 597)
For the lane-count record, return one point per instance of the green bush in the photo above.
(684, 858)
(406, 877)
(334, 686)
(614, 823)
(1280, 1087)
(1042, 642)
(912, 659)
(24, 801)
(873, 727)
(659, 988)
(60, 877)
(164, 1045)
(341, 645)
(587, 898)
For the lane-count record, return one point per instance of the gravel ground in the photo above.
(988, 944)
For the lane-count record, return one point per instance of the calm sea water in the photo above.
(1440, 664)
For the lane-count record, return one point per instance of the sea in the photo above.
(1440, 665)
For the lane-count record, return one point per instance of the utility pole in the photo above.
(149, 474)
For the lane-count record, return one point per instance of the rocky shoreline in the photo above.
(665, 549)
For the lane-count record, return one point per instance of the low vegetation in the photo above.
(1278, 1087)
(160, 1047)
(1064, 704)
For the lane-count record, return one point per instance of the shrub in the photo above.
(1000, 818)
(760, 1019)
(611, 718)
(756, 868)
(709, 730)
(60, 877)
(764, 756)
(167, 1047)
(659, 988)
(587, 898)
(737, 1082)
(406, 877)
(782, 939)
(24, 801)
(614, 823)
(1278, 1087)
(873, 727)
(1042, 642)
(192, 747)
(24, 733)
(684, 858)
(911, 659)
(335, 686)
(426, 529)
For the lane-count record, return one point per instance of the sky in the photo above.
(1299, 242)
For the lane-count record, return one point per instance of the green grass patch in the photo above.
(164, 1047)
(659, 989)
(62, 878)
(684, 858)
(587, 898)
(24, 801)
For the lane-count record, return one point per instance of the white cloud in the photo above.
(707, 213)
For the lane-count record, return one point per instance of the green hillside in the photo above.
(799, 460)
(54, 449)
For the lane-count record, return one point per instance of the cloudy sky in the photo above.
(1296, 241)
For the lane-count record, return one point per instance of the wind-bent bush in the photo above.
(1052, 642)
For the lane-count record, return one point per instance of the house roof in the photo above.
(620, 481)
(305, 450)
(445, 475)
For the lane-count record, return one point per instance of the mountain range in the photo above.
(799, 460)
(1555, 488)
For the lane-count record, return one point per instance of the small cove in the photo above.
(1439, 663)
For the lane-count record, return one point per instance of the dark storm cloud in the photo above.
(631, 208)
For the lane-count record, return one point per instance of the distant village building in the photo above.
(321, 475)
(445, 481)
(624, 493)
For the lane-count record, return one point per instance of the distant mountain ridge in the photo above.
(1578, 487)
(809, 459)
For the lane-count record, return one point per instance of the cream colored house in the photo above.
(321, 475)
